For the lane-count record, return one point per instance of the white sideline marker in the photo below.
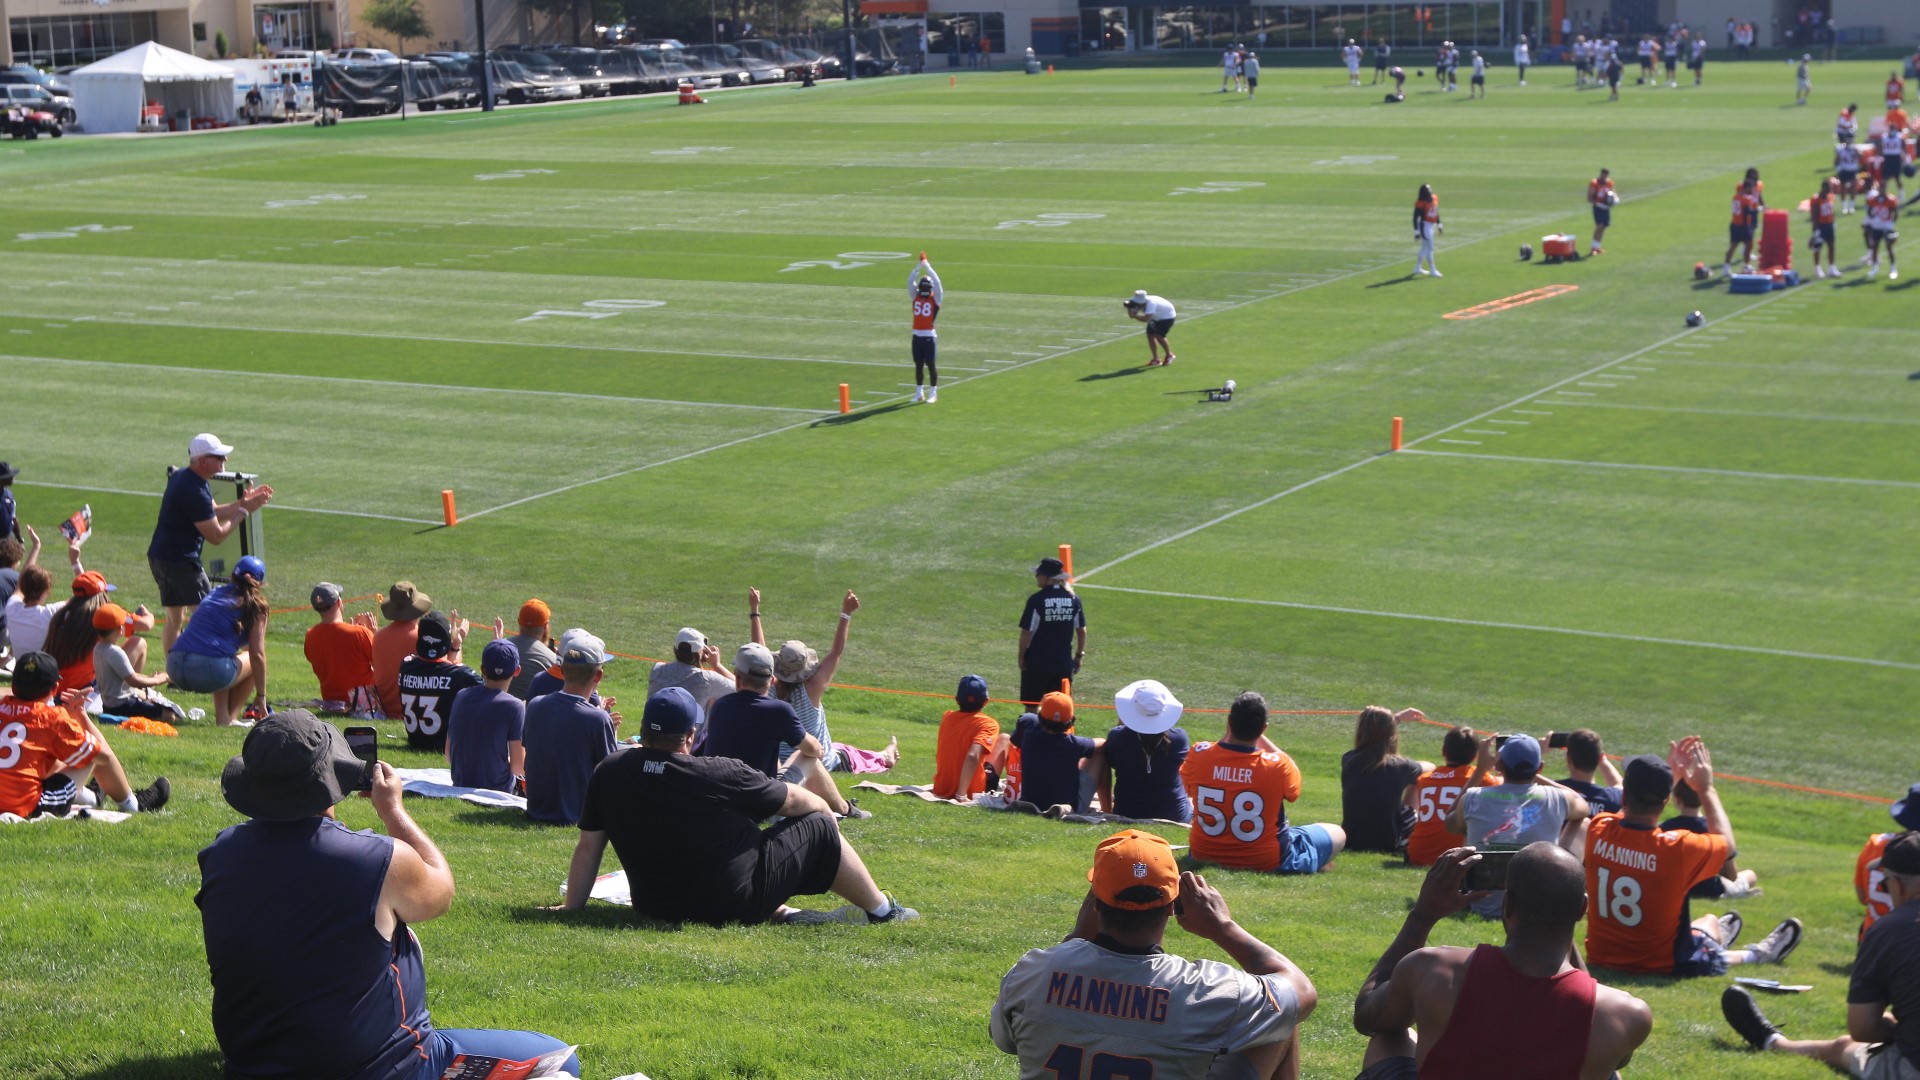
(1741, 474)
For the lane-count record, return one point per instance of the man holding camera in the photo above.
(1531, 997)
(1523, 809)
(1158, 314)
(189, 519)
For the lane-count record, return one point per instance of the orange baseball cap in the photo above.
(535, 613)
(110, 617)
(1132, 860)
(91, 583)
(1057, 707)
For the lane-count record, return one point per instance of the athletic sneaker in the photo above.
(933, 395)
(1743, 1013)
(919, 394)
(896, 913)
(1777, 946)
(154, 795)
(1422, 271)
(1727, 268)
(854, 813)
(1596, 250)
(1730, 926)
(846, 913)
(1437, 273)
(1893, 273)
(1873, 271)
(1167, 361)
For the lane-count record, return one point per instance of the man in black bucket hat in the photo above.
(315, 969)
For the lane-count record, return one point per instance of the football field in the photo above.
(617, 332)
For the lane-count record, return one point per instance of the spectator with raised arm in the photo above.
(27, 614)
(535, 644)
(754, 726)
(801, 678)
(340, 651)
(71, 636)
(190, 519)
(695, 668)
(1374, 780)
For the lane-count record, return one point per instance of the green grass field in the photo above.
(1606, 519)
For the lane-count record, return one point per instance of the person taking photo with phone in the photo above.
(1525, 807)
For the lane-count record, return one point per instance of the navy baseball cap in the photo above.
(1907, 810)
(972, 693)
(436, 636)
(500, 660)
(1648, 779)
(670, 712)
(1521, 755)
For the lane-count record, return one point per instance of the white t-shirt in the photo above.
(1479, 65)
(27, 626)
(1522, 55)
(1158, 308)
(1352, 53)
(1229, 59)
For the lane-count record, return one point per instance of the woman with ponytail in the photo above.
(223, 650)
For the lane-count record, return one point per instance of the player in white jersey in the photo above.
(1846, 127)
(1522, 58)
(1351, 54)
(1846, 169)
(1229, 68)
(1477, 81)
(1698, 61)
(1582, 60)
(1882, 229)
(1893, 156)
(1107, 1002)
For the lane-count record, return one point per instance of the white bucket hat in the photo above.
(1147, 707)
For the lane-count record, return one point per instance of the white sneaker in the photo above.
(1421, 270)
(1437, 273)
(919, 393)
(1873, 271)
(933, 395)
(1727, 268)
(1778, 945)
(1819, 271)
(1893, 273)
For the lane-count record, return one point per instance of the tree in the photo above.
(401, 18)
(220, 44)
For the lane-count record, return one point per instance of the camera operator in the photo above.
(189, 518)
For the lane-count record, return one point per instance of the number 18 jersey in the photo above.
(1240, 797)
(1637, 882)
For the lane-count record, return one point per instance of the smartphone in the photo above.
(1500, 741)
(1557, 740)
(365, 744)
(1490, 872)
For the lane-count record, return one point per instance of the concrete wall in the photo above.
(1900, 18)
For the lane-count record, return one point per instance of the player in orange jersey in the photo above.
(923, 287)
(1240, 788)
(1601, 197)
(1426, 228)
(1896, 90)
(1638, 876)
(49, 751)
(1749, 199)
(1869, 883)
(1820, 213)
(1431, 796)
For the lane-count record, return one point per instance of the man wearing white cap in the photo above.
(1158, 314)
(695, 668)
(1138, 770)
(188, 519)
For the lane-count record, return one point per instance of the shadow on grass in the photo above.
(1121, 373)
(204, 1064)
(428, 529)
(597, 915)
(1393, 281)
(1844, 971)
(863, 414)
(474, 814)
(1401, 864)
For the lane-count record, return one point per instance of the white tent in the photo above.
(108, 95)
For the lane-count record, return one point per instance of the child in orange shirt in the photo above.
(971, 752)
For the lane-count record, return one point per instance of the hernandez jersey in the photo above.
(1637, 882)
(1871, 883)
(1436, 792)
(1240, 798)
(1079, 1009)
(427, 690)
(36, 741)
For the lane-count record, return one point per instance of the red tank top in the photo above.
(1556, 1013)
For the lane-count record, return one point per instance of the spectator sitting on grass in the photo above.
(1431, 796)
(24, 619)
(1111, 989)
(1530, 999)
(534, 645)
(1869, 882)
(71, 637)
(12, 555)
(1881, 1043)
(309, 925)
(1731, 883)
(1585, 759)
(223, 650)
(484, 728)
(753, 726)
(1523, 808)
(124, 690)
(1137, 769)
(695, 668)
(341, 653)
(801, 678)
(550, 680)
(1054, 762)
(1241, 786)
(1374, 779)
(394, 642)
(566, 735)
(59, 749)
(432, 677)
(711, 862)
(971, 752)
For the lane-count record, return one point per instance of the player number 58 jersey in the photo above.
(1240, 799)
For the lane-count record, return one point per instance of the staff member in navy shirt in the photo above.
(316, 970)
(9, 519)
(1053, 634)
(189, 518)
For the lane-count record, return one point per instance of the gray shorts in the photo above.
(1879, 1061)
(182, 584)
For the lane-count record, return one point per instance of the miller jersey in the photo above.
(1079, 1009)
(427, 690)
(1637, 882)
(1240, 799)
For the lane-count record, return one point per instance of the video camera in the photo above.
(1214, 393)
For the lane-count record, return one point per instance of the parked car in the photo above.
(710, 64)
(756, 69)
(789, 61)
(27, 73)
(364, 56)
(663, 42)
(583, 66)
(35, 97)
(672, 68)
(541, 68)
(826, 65)
(461, 88)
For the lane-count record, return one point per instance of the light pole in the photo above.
(486, 69)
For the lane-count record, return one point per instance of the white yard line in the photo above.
(1740, 474)
(1812, 418)
(449, 387)
(1522, 400)
(1495, 625)
(270, 506)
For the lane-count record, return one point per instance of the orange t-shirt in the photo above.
(342, 657)
(37, 740)
(392, 643)
(1637, 882)
(959, 731)
(1437, 790)
(1240, 798)
(1872, 882)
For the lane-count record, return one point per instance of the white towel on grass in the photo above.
(438, 784)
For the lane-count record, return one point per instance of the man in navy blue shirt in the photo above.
(1585, 760)
(484, 727)
(1053, 634)
(566, 735)
(9, 520)
(189, 518)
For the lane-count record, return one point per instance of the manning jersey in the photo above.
(1082, 1009)
(1871, 884)
(1437, 790)
(1240, 797)
(427, 690)
(37, 740)
(1637, 882)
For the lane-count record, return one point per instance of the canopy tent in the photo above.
(108, 95)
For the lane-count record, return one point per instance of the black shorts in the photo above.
(1823, 234)
(798, 857)
(1890, 167)
(1380, 65)
(1847, 176)
(1479, 80)
(1739, 234)
(1160, 327)
(1671, 64)
(1613, 77)
(139, 706)
(182, 584)
(1035, 685)
(1583, 65)
(1602, 215)
(1253, 80)
(1696, 66)
(923, 349)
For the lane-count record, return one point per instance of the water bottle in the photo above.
(196, 714)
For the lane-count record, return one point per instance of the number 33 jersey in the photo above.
(1240, 797)
(1637, 882)
(1084, 1011)
(427, 690)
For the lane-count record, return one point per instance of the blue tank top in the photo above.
(1148, 785)
(214, 629)
(303, 984)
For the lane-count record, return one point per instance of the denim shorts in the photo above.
(199, 674)
(1306, 849)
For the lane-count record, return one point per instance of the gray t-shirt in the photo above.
(110, 670)
(704, 685)
(1508, 817)
(535, 658)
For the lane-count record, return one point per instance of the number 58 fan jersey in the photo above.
(1240, 798)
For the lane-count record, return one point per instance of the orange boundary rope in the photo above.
(309, 607)
(1494, 307)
